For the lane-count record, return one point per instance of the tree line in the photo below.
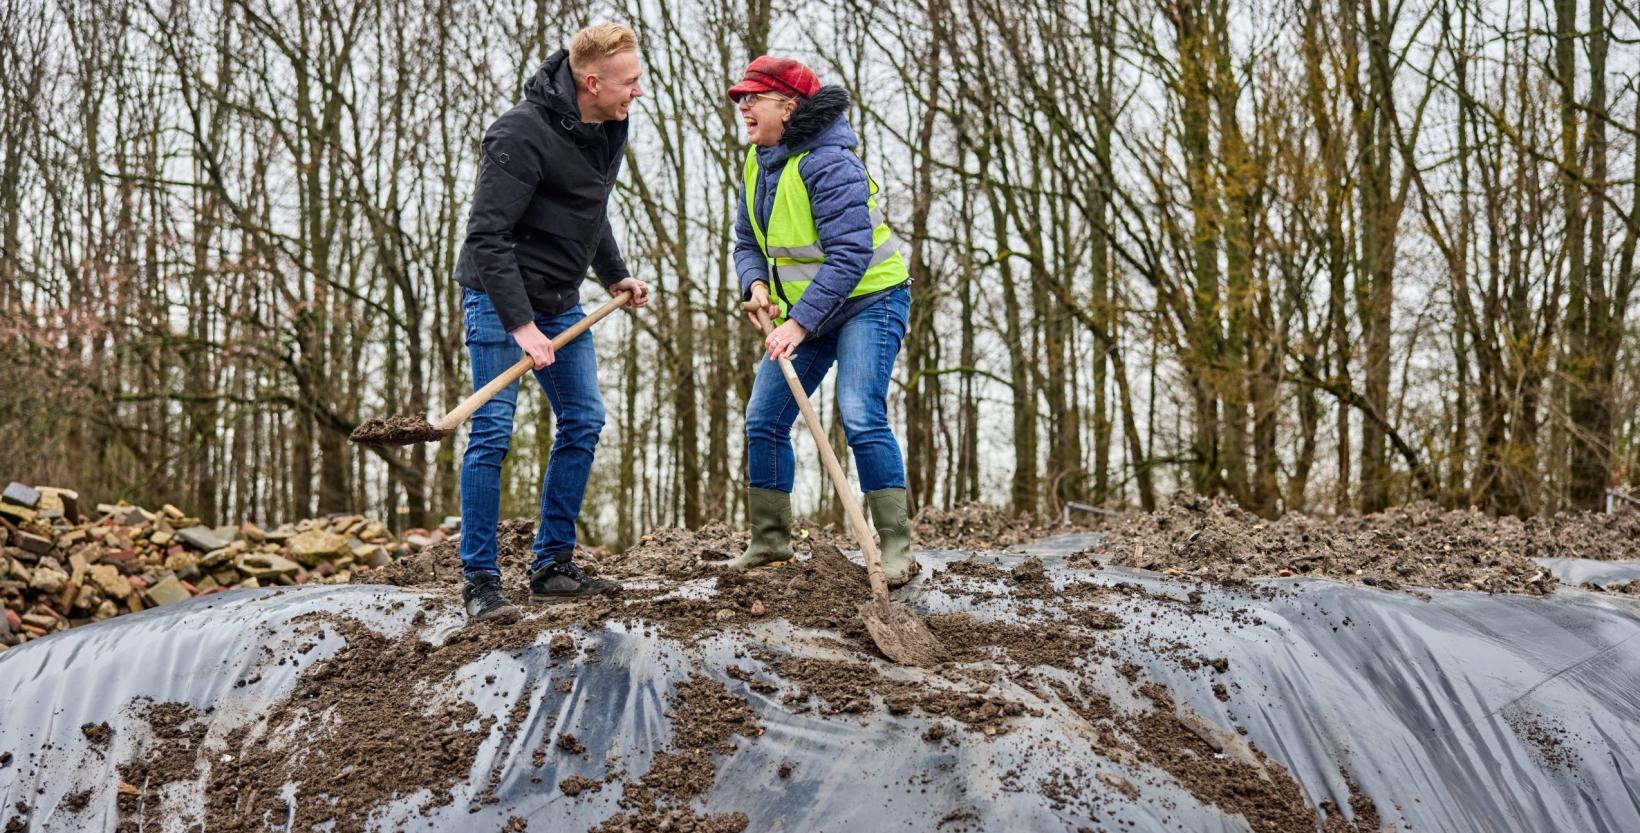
(1316, 255)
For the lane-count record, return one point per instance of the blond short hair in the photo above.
(597, 42)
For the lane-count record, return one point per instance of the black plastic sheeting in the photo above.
(1421, 701)
(1580, 571)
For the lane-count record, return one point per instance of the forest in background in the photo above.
(1316, 255)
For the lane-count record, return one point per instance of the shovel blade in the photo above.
(397, 431)
(899, 634)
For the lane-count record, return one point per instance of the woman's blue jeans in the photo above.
(571, 385)
(864, 349)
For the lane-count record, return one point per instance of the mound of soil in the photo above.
(373, 709)
(976, 526)
(1416, 546)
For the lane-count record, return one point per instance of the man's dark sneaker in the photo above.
(484, 600)
(557, 580)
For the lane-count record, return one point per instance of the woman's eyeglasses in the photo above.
(746, 99)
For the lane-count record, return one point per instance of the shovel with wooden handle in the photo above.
(898, 633)
(408, 430)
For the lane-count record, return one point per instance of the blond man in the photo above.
(540, 219)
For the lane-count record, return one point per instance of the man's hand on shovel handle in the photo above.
(639, 290)
(535, 343)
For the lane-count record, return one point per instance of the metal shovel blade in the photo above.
(899, 634)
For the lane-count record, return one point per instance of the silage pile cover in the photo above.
(1419, 699)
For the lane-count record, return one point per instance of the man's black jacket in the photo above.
(540, 213)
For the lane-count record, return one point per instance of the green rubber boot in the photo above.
(888, 514)
(770, 514)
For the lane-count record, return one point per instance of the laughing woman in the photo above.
(812, 250)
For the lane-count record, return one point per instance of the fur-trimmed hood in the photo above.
(818, 121)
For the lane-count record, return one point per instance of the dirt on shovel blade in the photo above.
(899, 634)
(398, 430)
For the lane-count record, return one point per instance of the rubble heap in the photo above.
(60, 568)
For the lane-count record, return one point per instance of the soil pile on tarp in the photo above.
(1416, 546)
(976, 526)
(371, 710)
(698, 700)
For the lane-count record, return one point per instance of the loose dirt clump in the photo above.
(1416, 546)
(1225, 771)
(1547, 738)
(674, 552)
(706, 717)
(575, 785)
(976, 526)
(396, 430)
(77, 801)
(843, 687)
(167, 756)
(438, 566)
(97, 734)
(373, 711)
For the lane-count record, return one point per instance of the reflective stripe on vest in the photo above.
(791, 244)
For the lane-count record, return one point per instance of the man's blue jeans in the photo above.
(864, 349)
(571, 384)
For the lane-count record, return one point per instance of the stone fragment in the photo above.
(313, 546)
(168, 591)
(48, 578)
(180, 561)
(50, 506)
(162, 537)
(106, 610)
(418, 543)
(20, 494)
(37, 544)
(88, 598)
(172, 512)
(18, 514)
(259, 565)
(206, 539)
(118, 555)
(107, 578)
(216, 558)
(374, 532)
(252, 532)
(67, 498)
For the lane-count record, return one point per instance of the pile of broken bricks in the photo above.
(60, 568)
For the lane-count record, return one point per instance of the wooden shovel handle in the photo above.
(461, 412)
(845, 492)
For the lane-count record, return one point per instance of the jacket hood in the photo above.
(817, 122)
(553, 86)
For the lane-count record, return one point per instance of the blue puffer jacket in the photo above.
(836, 181)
